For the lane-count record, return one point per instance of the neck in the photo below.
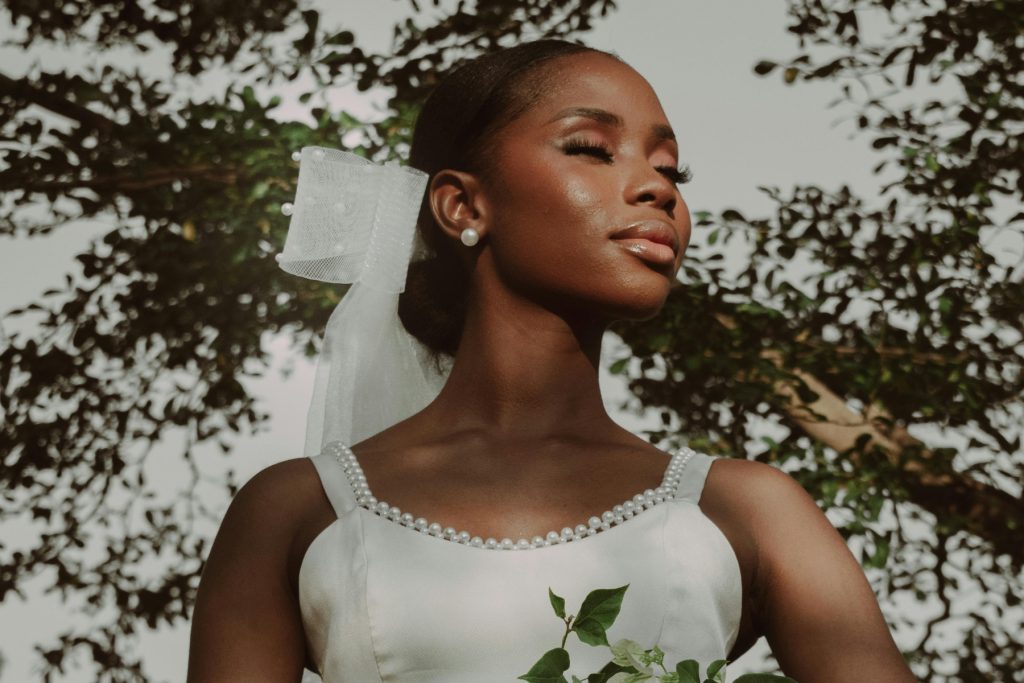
(522, 371)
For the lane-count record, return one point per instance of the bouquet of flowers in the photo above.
(630, 662)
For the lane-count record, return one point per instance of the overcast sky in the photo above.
(736, 131)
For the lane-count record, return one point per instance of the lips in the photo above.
(656, 231)
(653, 241)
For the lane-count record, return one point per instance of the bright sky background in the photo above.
(736, 131)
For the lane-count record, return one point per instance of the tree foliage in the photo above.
(908, 323)
(906, 329)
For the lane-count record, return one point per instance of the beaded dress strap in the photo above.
(674, 474)
(334, 483)
(691, 485)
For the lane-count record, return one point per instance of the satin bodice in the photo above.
(384, 601)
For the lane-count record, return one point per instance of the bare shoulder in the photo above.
(246, 624)
(283, 504)
(285, 488)
(814, 603)
(766, 505)
(738, 486)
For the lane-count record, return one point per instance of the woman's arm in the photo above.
(246, 625)
(819, 612)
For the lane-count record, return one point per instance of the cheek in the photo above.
(539, 200)
(549, 223)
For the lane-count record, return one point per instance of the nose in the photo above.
(651, 187)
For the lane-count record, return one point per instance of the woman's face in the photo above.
(595, 156)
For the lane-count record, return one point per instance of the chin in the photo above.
(641, 302)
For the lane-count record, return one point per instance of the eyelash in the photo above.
(678, 176)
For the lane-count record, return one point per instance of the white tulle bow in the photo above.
(354, 221)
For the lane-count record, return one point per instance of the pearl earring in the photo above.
(469, 237)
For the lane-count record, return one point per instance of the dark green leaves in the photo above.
(557, 603)
(688, 671)
(599, 610)
(549, 668)
(597, 613)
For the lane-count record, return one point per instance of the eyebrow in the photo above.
(660, 130)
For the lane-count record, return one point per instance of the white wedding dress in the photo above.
(385, 600)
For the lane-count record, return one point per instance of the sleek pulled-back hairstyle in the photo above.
(454, 131)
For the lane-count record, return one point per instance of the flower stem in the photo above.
(568, 627)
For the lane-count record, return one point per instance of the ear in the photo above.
(457, 202)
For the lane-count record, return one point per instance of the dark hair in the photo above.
(453, 131)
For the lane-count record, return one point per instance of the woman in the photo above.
(552, 210)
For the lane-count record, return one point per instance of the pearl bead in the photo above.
(287, 208)
(296, 156)
(595, 524)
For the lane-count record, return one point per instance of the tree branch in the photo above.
(23, 90)
(136, 181)
(983, 509)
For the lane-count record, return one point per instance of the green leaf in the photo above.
(716, 671)
(619, 366)
(689, 671)
(607, 671)
(549, 668)
(597, 614)
(557, 602)
(341, 38)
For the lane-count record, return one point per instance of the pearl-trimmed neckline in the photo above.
(616, 516)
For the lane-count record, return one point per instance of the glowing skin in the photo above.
(556, 197)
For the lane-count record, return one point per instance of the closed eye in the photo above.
(581, 146)
(680, 175)
(575, 146)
